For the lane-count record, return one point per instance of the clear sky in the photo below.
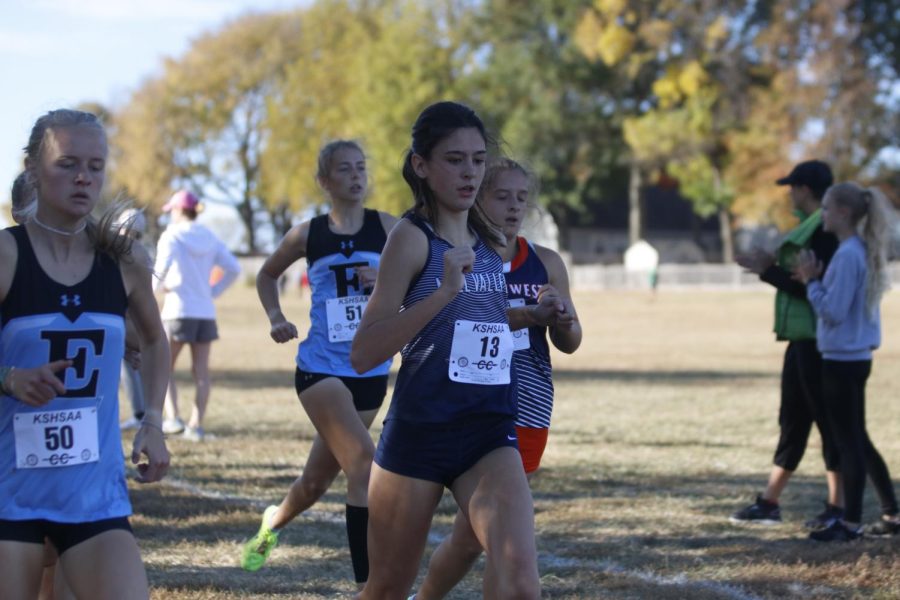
(57, 53)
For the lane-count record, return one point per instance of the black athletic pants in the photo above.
(802, 404)
(845, 402)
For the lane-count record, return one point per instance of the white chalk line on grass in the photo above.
(680, 581)
(609, 567)
(195, 490)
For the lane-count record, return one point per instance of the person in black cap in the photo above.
(801, 375)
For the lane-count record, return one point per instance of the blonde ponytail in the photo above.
(872, 216)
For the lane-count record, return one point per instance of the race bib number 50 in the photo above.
(481, 353)
(58, 438)
(344, 315)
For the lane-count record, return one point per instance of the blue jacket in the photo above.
(844, 328)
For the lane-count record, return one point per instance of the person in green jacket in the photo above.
(801, 375)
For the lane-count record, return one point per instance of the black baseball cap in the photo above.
(814, 174)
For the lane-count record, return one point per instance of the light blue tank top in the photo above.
(64, 461)
(337, 294)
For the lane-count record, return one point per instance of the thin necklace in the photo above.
(59, 231)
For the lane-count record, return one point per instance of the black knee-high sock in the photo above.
(357, 526)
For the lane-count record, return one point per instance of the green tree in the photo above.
(827, 70)
(551, 106)
(686, 80)
(592, 93)
(202, 124)
(365, 72)
(737, 90)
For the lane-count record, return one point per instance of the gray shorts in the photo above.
(192, 331)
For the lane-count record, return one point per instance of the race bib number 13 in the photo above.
(344, 315)
(58, 438)
(481, 353)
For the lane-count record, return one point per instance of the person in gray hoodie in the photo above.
(795, 323)
(848, 329)
(186, 256)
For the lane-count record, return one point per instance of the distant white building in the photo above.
(540, 228)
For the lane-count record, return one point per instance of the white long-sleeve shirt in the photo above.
(185, 256)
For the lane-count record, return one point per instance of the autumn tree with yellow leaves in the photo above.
(600, 96)
(736, 87)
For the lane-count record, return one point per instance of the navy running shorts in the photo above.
(441, 452)
(368, 392)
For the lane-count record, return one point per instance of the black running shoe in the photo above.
(826, 517)
(884, 528)
(836, 532)
(762, 511)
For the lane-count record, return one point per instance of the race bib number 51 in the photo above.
(344, 315)
(58, 438)
(481, 353)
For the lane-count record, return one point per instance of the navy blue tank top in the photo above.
(338, 298)
(525, 275)
(424, 391)
(63, 461)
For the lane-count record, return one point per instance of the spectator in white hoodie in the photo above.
(185, 257)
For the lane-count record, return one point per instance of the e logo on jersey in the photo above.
(76, 346)
(342, 281)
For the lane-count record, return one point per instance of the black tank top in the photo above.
(33, 292)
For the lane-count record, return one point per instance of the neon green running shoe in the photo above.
(256, 549)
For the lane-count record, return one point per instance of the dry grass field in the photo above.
(665, 423)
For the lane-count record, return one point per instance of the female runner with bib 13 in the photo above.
(440, 297)
(533, 273)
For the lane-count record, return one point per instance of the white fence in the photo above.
(615, 277)
(675, 276)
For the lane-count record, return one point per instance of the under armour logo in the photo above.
(347, 244)
(74, 300)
